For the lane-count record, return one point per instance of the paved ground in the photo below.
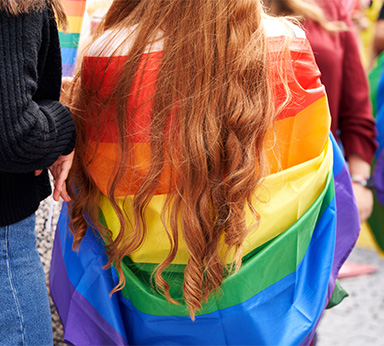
(358, 321)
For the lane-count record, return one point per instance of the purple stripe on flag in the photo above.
(348, 224)
(98, 331)
(68, 70)
(378, 177)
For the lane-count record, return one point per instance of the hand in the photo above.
(364, 196)
(65, 90)
(38, 172)
(60, 170)
(364, 200)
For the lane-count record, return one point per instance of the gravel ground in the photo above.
(357, 321)
(44, 245)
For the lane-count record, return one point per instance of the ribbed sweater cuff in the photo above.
(71, 145)
(66, 134)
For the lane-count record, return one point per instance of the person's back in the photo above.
(204, 161)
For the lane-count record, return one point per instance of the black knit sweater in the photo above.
(35, 129)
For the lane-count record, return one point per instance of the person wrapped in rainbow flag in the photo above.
(210, 204)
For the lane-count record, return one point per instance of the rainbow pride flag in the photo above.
(309, 225)
(69, 42)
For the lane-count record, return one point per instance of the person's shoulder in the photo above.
(333, 9)
(275, 27)
(24, 8)
(119, 42)
(27, 27)
(110, 41)
(283, 35)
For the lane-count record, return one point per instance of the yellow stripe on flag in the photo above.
(75, 24)
(287, 195)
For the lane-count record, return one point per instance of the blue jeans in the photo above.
(25, 316)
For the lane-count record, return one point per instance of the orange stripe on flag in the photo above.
(74, 8)
(300, 138)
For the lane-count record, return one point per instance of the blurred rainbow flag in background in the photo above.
(309, 225)
(376, 220)
(69, 42)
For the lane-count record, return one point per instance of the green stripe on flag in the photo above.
(262, 268)
(374, 77)
(69, 40)
(376, 223)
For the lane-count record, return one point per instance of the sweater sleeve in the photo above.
(356, 124)
(35, 128)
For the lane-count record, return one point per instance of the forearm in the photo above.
(360, 171)
(44, 133)
(35, 129)
(357, 166)
(355, 122)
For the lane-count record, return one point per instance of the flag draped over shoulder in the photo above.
(69, 41)
(309, 224)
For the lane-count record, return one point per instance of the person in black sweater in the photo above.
(36, 132)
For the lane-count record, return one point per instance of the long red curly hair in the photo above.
(214, 77)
